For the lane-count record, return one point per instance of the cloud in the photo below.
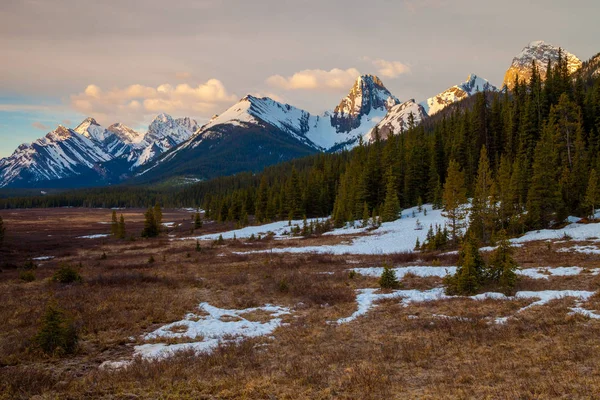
(66, 122)
(390, 69)
(133, 103)
(316, 79)
(40, 126)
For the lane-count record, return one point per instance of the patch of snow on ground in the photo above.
(580, 249)
(402, 271)
(206, 332)
(573, 231)
(96, 236)
(168, 224)
(366, 299)
(279, 228)
(545, 272)
(426, 271)
(392, 237)
(42, 258)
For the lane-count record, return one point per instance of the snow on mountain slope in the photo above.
(61, 153)
(125, 133)
(541, 53)
(471, 86)
(164, 126)
(164, 133)
(66, 153)
(367, 94)
(398, 119)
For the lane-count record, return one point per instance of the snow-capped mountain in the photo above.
(590, 68)
(366, 96)
(61, 153)
(81, 155)
(471, 86)
(125, 133)
(541, 53)
(399, 119)
(164, 133)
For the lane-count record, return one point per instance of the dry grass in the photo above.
(420, 351)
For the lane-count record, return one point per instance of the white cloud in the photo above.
(133, 103)
(390, 69)
(316, 79)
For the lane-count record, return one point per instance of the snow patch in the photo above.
(206, 332)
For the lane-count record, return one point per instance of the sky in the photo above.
(129, 60)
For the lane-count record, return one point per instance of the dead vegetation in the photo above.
(440, 349)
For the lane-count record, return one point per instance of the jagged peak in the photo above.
(85, 124)
(164, 117)
(542, 53)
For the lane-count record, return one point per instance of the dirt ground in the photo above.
(393, 351)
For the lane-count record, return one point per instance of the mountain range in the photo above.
(251, 134)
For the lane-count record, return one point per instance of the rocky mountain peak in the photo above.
(367, 94)
(470, 87)
(542, 53)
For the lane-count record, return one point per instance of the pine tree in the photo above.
(469, 274)
(158, 215)
(455, 198)
(121, 232)
(262, 200)
(197, 221)
(391, 206)
(544, 198)
(150, 224)
(365, 215)
(114, 224)
(388, 279)
(57, 333)
(481, 208)
(502, 266)
(592, 195)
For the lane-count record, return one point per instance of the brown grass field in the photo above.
(392, 352)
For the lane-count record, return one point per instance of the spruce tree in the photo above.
(365, 215)
(121, 232)
(592, 195)
(197, 221)
(469, 275)
(262, 200)
(158, 215)
(544, 198)
(455, 198)
(150, 224)
(481, 207)
(502, 267)
(391, 206)
(388, 279)
(114, 224)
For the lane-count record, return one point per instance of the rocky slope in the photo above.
(400, 118)
(541, 53)
(366, 96)
(471, 86)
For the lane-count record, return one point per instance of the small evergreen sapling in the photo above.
(57, 334)
(470, 273)
(502, 267)
(388, 279)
